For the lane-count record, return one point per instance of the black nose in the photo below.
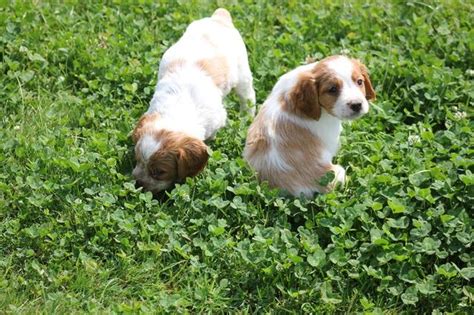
(138, 183)
(356, 107)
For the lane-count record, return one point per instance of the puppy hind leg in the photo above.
(246, 95)
(244, 89)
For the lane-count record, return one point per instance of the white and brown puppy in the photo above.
(194, 75)
(294, 137)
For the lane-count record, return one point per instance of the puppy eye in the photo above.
(333, 89)
(360, 81)
(156, 173)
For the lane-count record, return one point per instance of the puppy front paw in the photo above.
(340, 173)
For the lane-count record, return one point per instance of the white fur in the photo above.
(350, 92)
(275, 159)
(188, 100)
(186, 97)
(327, 129)
(340, 173)
(149, 145)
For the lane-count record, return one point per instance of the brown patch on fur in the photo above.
(299, 149)
(217, 68)
(257, 141)
(360, 71)
(143, 125)
(178, 157)
(311, 92)
(303, 98)
(223, 16)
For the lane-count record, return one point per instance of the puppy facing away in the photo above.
(194, 76)
(294, 137)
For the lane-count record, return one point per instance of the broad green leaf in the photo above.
(318, 258)
(410, 296)
(396, 205)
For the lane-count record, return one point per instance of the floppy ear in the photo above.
(369, 90)
(191, 158)
(303, 98)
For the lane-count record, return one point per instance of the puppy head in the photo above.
(338, 84)
(166, 157)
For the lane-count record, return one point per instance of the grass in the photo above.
(77, 236)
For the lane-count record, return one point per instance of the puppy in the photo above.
(194, 75)
(294, 137)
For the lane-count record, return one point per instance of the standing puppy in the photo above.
(295, 135)
(194, 75)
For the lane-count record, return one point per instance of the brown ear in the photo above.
(369, 90)
(192, 158)
(141, 126)
(303, 98)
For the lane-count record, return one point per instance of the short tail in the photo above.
(222, 15)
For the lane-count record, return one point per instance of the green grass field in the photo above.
(77, 236)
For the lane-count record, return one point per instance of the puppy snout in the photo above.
(355, 106)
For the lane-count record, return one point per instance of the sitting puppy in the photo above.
(294, 137)
(194, 75)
